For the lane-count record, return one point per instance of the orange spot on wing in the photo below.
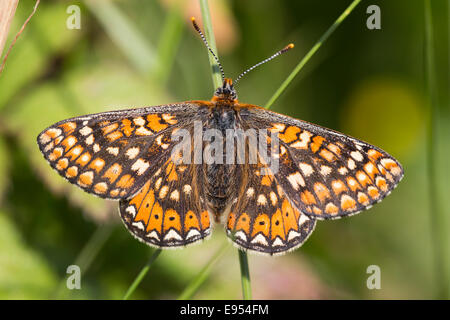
(347, 203)
(289, 135)
(373, 154)
(97, 164)
(156, 218)
(353, 184)
(144, 207)
(334, 148)
(125, 182)
(204, 219)
(338, 187)
(373, 192)
(110, 128)
(290, 216)
(171, 172)
(191, 221)
(327, 155)
(277, 226)
(307, 197)
(321, 191)
(72, 172)
(266, 181)
(261, 224)
(62, 164)
(172, 220)
(127, 127)
(362, 178)
(231, 221)
(154, 123)
(86, 178)
(113, 172)
(68, 126)
(331, 209)
(84, 159)
(114, 136)
(317, 142)
(363, 199)
(243, 223)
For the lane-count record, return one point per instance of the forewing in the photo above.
(326, 174)
(112, 154)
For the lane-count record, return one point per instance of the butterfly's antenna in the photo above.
(197, 28)
(285, 49)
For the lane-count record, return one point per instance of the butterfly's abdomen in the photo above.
(220, 177)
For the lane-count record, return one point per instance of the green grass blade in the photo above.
(88, 254)
(437, 217)
(169, 42)
(124, 34)
(311, 52)
(245, 276)
(141, 274)
(195, 283)
(209, 34)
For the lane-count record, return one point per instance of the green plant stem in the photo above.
(201, 277)
(311, 52)
(124, 34)
(437, 217)
(217, 81)
(245, 276)
(209, 34)
(88, 254)
(142, 274)
(169, 42)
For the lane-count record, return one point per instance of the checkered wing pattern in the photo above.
(112, 154)
(126, 155)
(170, 210)
(323, 173)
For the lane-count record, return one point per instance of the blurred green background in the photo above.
(370, 84)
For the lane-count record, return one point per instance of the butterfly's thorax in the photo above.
(220, 177)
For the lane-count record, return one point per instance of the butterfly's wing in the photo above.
(326, 174)
(127, 155)
(262, 219)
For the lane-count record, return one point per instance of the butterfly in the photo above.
(128, 155)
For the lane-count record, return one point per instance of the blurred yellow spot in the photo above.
(385, 112)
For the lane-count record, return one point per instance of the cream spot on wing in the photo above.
(250, 192)
(132, 152)
(325, 170)
(187, 189)
(139, 121)
(357, 156)
(273, 198)
(295, 180)
(143, 132)
(140, 166)
(158, 183)
(85, 131)
(303, 141)
(343, 170)
(262, 200)
(175, 195)
(89, 140)
(306, 169)
(113, 150)
(163, 192)
(260, 239)
(351, 164)
(96, 147)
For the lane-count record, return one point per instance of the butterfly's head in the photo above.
(225, 91)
